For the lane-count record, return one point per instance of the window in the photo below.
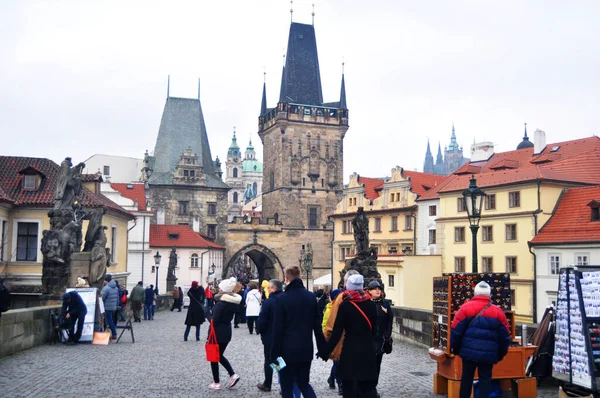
(459, 264)
(354, 201)
(153, 269)
(511, 231)
(461, 204)
(106, 170)
(394, 223)
(186, 173)
(511, 265)
(397, 196)
(313, 217)
(113, 244)
(194, 261)
(595, 214)
(27, 241)
(392, 197)
(377, 224)
(407, 249)
(391, 280)
(459, 234)
(375, 248)
(407, 223)
(3, 239)
(346, 226)
(192, 173)
(344, 252)
(29, 182)
(581, 259)
(392, 249)
(487, 264)
(235, 197)
(490, 201)
(212, 231)
(513, 298)
(212, 209)
(514, 199)
(432, 211)
(183, 207)
(487, 233)
(432, 236)
(235, 172)
(554, 264)
(271, 180)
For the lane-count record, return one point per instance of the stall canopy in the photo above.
(324, 280)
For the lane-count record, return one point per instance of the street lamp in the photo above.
(157, 258)
(305, 260)
(473, 201)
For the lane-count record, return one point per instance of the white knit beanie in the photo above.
(227, 285)
(483, 289)
(355, 282)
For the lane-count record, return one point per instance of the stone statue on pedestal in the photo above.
(172, 265)
(95, 229)
(360, 225)
(99, 260)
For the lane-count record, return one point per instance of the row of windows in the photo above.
(487, 233)
(487, 264)
(408, 224)
(514, 200)
(554, 261)
(348, 251)
(184, 208)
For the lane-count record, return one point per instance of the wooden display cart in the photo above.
(450, 292)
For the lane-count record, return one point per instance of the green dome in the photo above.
(252, 165)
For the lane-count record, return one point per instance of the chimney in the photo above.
(482, 151)
(539, 141)
(196, 224)
(160, 217)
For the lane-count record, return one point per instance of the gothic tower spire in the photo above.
(343, 91)
(428, 165)
(263, 104)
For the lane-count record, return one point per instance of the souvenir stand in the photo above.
(576, 357)
(450, 291)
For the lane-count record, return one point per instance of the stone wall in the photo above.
(25, 328)
(412, 325)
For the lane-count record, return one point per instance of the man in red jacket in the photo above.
(480, 336)
(209, 298)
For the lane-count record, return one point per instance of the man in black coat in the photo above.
(264, 326)
(296, 319)
(74, 309)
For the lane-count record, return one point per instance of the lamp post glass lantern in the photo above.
(473, 202)
(157, 258)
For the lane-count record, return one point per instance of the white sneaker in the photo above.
(214, 386)
(233, 381)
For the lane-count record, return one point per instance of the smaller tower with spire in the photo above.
(428, 165)
(525, 143)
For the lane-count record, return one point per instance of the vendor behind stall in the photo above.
(75, 310)
(480, 336)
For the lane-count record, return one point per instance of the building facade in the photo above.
(114, 168)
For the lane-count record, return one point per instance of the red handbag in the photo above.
(212, 347)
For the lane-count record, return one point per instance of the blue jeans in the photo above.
(111, 323)
(147, 312)
(296, 391)
(187, 333)
(333, 375)
(120, 314)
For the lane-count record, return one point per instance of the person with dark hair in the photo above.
(75, 310)
(333, 378)
(296, 320)
(148, 303)
(176, 298)
(253, 303)
(195, 315)
(180, 298)
(137, 298)
(385, 321)
(123, 292)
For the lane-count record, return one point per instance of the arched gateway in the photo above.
(267, 263)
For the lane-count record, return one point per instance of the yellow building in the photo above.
(390, 206)
(522, 188)
(26, 196)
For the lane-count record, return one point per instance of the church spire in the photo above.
(263, 105)
(428, 165)
(343, 91)
(439, 159)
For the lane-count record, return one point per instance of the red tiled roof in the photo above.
(422, 182)
(135, 192)
(10, 185)
(433, 192)
(97, 177)
(573, 161)
(571, 221)
(178, 236)
(371, 186)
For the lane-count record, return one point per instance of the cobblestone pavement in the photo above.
(161, 364)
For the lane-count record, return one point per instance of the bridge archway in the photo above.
(267, 263)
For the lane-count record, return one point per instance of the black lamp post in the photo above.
(157, 258)
(473, 201)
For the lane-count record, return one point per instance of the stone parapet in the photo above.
(25, 328)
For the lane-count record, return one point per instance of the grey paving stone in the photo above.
(161, 364)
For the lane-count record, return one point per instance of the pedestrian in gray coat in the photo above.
(110, 297)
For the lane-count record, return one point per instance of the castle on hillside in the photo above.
(444, 165)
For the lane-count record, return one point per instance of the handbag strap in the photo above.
(212, 336)
(363, 314)
(195, 299)
(480, 312)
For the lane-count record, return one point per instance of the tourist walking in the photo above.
(148, 302)
(385, 321)
(356, 319)
(180, 297)
(321, 300)
(209, 299)
(253, 303)
(335, 354)
(176, 298)
(240, 315)
(195, 315)
(296, 320)
(332, 375)
(481, 337)
(74, 309)
(226, 304)
(123, 292)
(137, 298)
(264, 326)
(110, 297)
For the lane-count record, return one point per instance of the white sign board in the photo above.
(89, 296)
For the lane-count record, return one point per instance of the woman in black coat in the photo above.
(226, 305)
(385, 320)
(357, 367)
(195, 314)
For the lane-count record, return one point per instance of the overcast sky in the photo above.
(85, 77)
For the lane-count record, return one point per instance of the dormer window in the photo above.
(29, 182)
(173, 236)
(595, 207)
